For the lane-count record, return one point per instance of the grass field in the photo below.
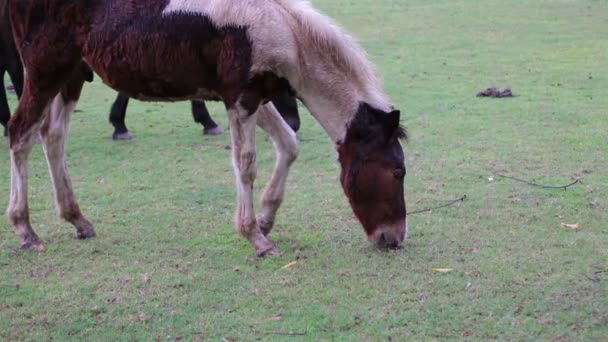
(168, 265)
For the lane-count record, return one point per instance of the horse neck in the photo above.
(332, 112)
(334, 100)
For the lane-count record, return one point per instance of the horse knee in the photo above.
(292, 151)
(19, 135)
(244, 225)
(289, 149)
(247, 165)
(52, 138)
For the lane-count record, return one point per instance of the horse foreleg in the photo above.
(242, 129)
(286, 149)
(54, 134)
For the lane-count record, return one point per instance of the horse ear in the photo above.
(391, 124)
(393, 118)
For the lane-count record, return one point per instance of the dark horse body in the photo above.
(241, 52)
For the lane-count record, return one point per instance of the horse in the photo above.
(240, 52)
(285, 104)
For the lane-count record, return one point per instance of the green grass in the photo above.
(168, 265)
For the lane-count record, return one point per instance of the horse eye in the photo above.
(399, 173)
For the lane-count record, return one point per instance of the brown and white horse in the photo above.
(241, 52)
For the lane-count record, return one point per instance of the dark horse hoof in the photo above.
(123, 136)
(217, 130)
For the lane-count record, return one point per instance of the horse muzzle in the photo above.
(390, 235)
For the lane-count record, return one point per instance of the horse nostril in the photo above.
(382, 239)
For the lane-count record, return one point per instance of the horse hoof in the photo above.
(33, 245)
(123, 136)
(86, 234)
(217, 130)
(272, 251)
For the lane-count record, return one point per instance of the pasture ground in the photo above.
(168, 265)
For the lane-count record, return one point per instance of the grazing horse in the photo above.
(285, 104)
(241, 52)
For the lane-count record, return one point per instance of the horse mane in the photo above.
(330, 39)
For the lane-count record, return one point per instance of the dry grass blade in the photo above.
(291, 264)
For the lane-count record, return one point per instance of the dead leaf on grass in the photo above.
(441, 270)
(275, 318)
(575, 226)
(291, 264)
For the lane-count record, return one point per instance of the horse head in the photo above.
(373, 170)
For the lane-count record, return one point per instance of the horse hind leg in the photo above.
(286, 149)
(118, 112)
(200, 114)
(23, 129)
(54, 133)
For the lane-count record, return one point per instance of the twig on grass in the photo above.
(565, 187)
(291, 333)
(459, 200)
(596, 278)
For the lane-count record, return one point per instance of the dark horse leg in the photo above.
(118, 113)
(15, 70)
(201, 115)
(287, 106)
(117, 118)
(11, 62)
(5, 112)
